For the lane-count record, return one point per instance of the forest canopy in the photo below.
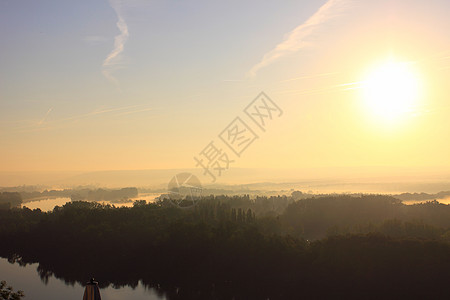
(322, 245)
(10, 199)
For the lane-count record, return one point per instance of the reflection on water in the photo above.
(27, 278)
(149, 197)
(46, 204)
(64, 277)
(50, 203)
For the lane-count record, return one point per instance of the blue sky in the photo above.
(52, 51)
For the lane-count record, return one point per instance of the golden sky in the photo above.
(128, 85)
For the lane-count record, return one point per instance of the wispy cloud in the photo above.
(101, 111)
(45, 117)
(113, 60)
(43, 124)
(133, 112)
(310, 76)
(326, 89)
(296, 39)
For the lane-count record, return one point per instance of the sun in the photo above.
(391, 90)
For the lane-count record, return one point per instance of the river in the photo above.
(47, 204)
(27, 279)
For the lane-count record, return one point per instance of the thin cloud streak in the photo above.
(327, 89)
(133, 112)
(113, 59)
(296, 39)
(310, 76)
(45, 117)
(42, 125)
(99, 112)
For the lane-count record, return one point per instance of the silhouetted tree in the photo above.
(7, 292)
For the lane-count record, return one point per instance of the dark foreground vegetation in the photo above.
(7, 292)
(9, 200)
(230, 248)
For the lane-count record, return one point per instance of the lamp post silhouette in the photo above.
(92, 292)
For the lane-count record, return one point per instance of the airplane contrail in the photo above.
(45, 117)
(310, 76)
(295, 40)
(113, 59)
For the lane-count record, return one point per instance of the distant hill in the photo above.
(423, 196)
(314, 180)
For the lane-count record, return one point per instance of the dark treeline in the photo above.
(79, 194)
(260, 205)
(319, 217)
(222, 248)
(423, 196)
(9, 200)
(104, 194)
(315, 218)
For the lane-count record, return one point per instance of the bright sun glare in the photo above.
(391, 90)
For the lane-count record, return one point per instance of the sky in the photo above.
(128, 85)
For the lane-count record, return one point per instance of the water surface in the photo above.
(47, 204)
(27, 279)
